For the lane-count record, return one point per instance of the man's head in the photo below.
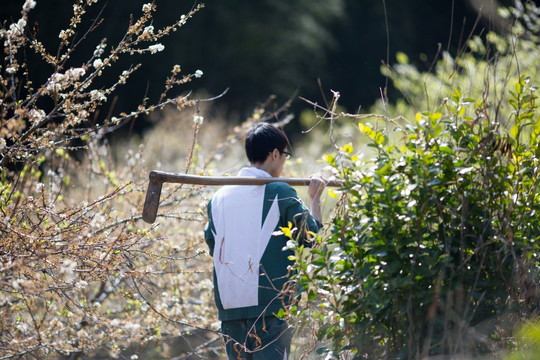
(266, 147)
(262, 140)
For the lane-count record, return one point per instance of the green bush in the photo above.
(435, 243)
(433, 249)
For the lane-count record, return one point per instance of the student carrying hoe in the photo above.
(251, 266)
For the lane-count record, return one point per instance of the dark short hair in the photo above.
(262, 139)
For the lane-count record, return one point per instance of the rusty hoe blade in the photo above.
(157, 178)
(151, 202)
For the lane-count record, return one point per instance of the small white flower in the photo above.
(2, 143)
(81, 284)
(29, 5)
(11, 70)
(148, 30)
(99, 50)
(198, 73)
(97, 63)
(56, 82)
(147, 7)
(156, 48)
(67, 269)
(75, 74)
(36, 115)
(197, 119)
(132, 327)
(17, 28)
(134, 357)
(97, 95)
(17, 284)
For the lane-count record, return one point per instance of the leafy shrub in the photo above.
(434, 248)
(435, 238)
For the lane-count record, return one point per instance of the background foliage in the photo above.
(238, 43)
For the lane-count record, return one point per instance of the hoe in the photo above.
(157, 178)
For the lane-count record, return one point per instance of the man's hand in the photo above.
(315, 189)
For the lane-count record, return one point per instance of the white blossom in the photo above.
(17, 284)
(56, 82)
(29, 5)
(16, 29)
(2, 143)
(67, 269)
(99, 50)
(198, 73)
(11, 70)
(147, 7)
(133, 328)
(197, 119)
(123, 77)
(149, 30)
(63, 35)
(39, 186)
(81, 284)
(36, 115)
(23, 327)
(156, 48)
(97, 95)
(97, 63)
(75, 74)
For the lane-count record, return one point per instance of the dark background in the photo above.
(271, 47)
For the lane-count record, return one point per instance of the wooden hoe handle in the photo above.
(157, 178)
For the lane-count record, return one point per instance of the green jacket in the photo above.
(251, 263)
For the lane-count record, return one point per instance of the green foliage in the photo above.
(528, 341)
(434, 249)
(491, 63)
(434, 236)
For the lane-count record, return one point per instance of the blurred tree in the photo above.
(276, 47)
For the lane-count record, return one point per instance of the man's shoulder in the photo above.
(280, 188)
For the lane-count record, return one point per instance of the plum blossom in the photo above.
(97, 95)
(56, 82)
(97, 63)
(197, 119)
(99, 50)
(147, 7)
(29, 5)
(149, 30)
(67, 269)
(156, 48)
(75, 74)
(36, 115)
(17, 29)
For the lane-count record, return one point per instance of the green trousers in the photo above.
(265, 338)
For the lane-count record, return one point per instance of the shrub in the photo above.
(434, 247)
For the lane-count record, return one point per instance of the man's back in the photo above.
(250, 264)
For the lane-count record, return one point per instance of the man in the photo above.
(251, 266)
